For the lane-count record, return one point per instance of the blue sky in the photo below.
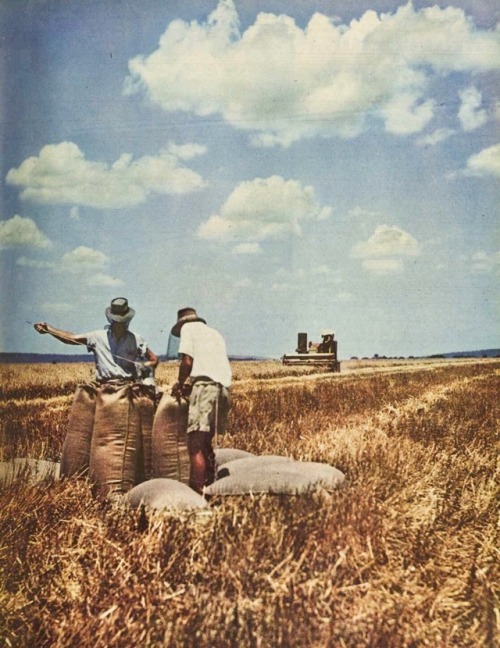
(280, 166)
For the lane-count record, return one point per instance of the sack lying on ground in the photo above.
(274, 474)
(224, 455)
(25, 469)
(165, 494)
(170, 457)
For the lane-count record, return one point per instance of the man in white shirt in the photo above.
(203, 359)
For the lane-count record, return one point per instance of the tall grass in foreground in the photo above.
(406, 555)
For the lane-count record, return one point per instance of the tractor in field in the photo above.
(322, 353)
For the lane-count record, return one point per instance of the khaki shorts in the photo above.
(209, 405)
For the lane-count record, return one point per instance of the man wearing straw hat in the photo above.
(110, 423)
(204, 377)
(118, 353)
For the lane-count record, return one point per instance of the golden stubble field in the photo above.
(407, 554)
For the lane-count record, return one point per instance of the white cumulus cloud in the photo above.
(85, 264)
(383, 266)
(34, 263)
(436, 137)
(83, 259)
(186, 151)
(264, 208)
(61, 175)
(486, 162)
(362, 213)
(482, 263)
(405, 115)
(101, 279)
(470, 114)
(247, 248)
(284, 82)
(22, 231)
(387, 241)
(88, 265)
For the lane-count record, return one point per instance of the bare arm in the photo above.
(62, 336)
(185, 367)
(152, 359)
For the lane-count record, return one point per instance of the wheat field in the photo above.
(405, 555)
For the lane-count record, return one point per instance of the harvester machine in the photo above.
(322, 353)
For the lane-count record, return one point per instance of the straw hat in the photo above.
(185, 315)
(119, 310)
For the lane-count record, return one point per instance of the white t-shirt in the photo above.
(207, 348)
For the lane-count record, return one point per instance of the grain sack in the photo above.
(274, 474)
(29, 470)
(170, 457)
(224, 455)
(145, 403)
(117, 451)
(165, 494)
(76, 448)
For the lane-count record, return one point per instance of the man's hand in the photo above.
(62, 336)
(181, 391)
(176, 391)
(41, 327)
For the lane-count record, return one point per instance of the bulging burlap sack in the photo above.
(170, 457)
(274, 474)
(29, 470)
(76, 448)
(145, 403)
(224, 455)
(165, 494)
(118, 451)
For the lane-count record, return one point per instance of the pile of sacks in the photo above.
(238, 473)
(135, 456)
(109, 436)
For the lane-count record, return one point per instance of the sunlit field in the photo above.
(405, 555)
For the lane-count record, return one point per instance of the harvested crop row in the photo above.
(405, 555)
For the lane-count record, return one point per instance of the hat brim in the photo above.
(176, 328)
(120, 318)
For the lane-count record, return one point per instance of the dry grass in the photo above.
(406, 555)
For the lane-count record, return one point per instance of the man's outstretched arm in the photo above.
(62, 336)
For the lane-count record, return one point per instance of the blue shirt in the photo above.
(115, 358)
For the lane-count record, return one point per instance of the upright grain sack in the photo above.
(116, 452)
(170, 457)
(76, 448)
(145, 403)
